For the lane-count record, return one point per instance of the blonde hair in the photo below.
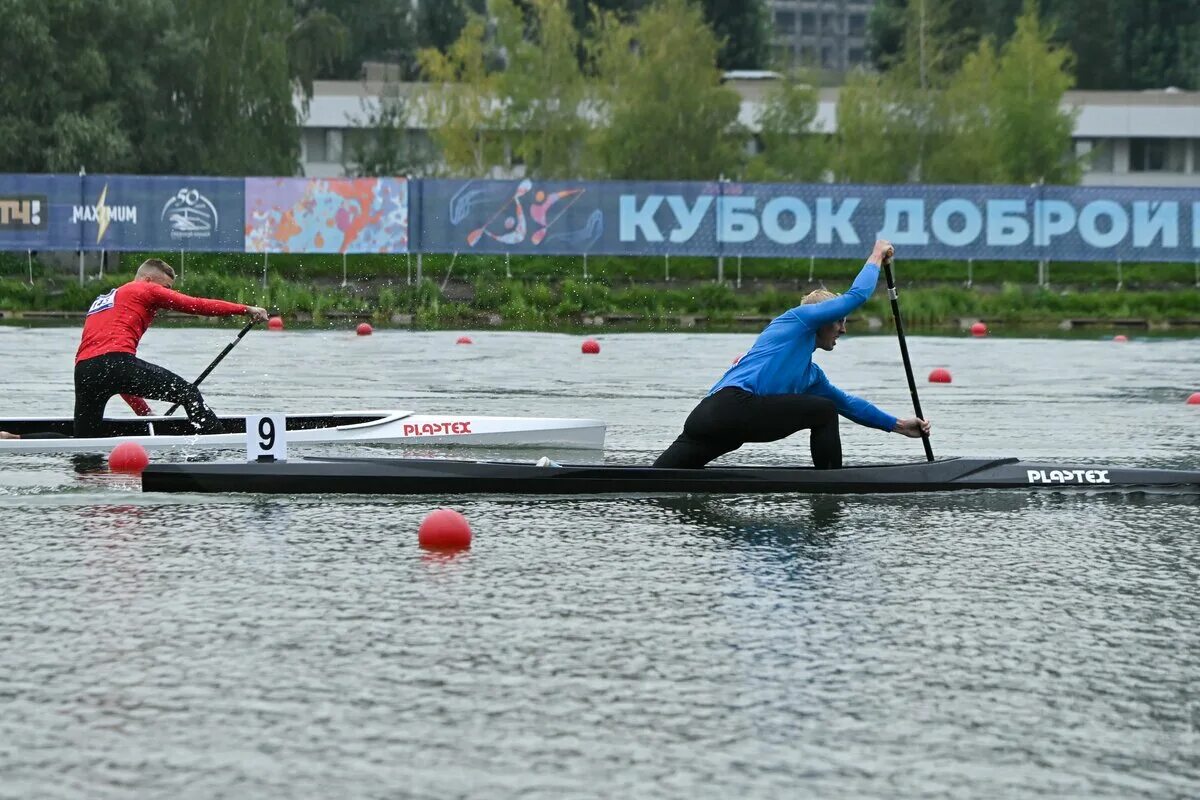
(817, 296)
(155, 265)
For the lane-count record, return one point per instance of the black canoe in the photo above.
(438, 476)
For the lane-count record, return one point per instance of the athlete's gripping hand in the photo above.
(257, 314)
(883, 251)
(912, 427)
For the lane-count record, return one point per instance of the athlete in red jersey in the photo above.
(107, 364)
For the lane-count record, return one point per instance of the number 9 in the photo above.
(266, 433)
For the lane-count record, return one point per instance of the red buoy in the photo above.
(364, 329)
(464, 340)
(128, 457)
(979, 329)
(275, 324)
(590, 346)
(444, 529)
(1120, 337)
(939, 375)
(1194, 399)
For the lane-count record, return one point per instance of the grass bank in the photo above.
(547, 293)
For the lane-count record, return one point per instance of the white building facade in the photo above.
(1149, 138)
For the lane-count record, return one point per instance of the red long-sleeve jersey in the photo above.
(118, 319)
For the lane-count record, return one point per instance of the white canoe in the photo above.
(367, 427)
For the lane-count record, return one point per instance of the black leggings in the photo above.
(98, 379)
(729, 418)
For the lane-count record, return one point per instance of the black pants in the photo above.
(726, 420)
(98, 379)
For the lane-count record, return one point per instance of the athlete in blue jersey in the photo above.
(775, 389)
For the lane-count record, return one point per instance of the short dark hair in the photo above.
(157, 265)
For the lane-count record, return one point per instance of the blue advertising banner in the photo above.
(801, 220)
(35, 212)
(372, 215)
(130, 212)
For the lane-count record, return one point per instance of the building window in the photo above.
(1097, 154)
(333, 145)
(828, 24)
(808, 22)
(857, 56)
(827, 57)
(315, 151)
(806, 55)
(785, 21)
(858, 24)
(1156, 155)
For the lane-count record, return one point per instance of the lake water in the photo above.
(971, 645)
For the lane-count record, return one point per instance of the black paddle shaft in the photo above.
(912, 383)
(245, 329)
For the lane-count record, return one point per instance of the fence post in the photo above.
(407, 268)
(812, 265)
(29, 254)
(507, 267)
(181, 261)
(343, 268)
(1120, 276)
(266, 256)
(970, 272)
(585, 275)
(667, 259)
(418, 267)
(82, 201)
(739, 278)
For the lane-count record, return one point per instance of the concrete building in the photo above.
(1149, 138)
(829, 34)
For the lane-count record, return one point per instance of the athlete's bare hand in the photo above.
(257, 314)
(883, 250)
(912, 427)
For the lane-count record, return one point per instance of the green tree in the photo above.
(1034, 132)
(382, 144)
(463, 103)
(91, 83)
(874, 143)
(1118, 44)
(665, 113)
(542, 85)
(375, 30)
(441, 22)
(968, 148)
(240, 106)
(743, 29)
(792, 148)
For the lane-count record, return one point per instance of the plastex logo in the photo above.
(23, 211)
(104, 215)
(190, 214)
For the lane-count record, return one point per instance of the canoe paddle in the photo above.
(912, 384)
(245, 329)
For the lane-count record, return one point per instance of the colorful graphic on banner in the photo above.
(523, 215)
(316, 215)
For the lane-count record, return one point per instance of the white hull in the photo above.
(390, 427)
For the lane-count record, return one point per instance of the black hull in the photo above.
(179, 425)
(436, 476)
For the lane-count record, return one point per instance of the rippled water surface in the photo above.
(967, 645)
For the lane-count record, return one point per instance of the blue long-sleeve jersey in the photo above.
(780, 361)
